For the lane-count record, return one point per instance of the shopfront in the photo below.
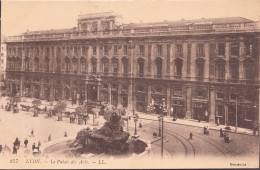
(200, 109)
(178, 107)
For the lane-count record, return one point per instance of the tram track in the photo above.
(181, 141)
(209, 141)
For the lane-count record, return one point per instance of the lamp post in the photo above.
(135, 120)
(159, 119)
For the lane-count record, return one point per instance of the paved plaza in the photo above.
(176, 133)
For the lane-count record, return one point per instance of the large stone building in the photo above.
(2, 65)
(201, 68)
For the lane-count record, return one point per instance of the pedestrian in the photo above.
(39, 144)
(32, 133)
(25, 142)
(190, 136)
(14, 150)
(65, 135)
(33, 146)
(221, 132)
(49, 137)
(1, 147)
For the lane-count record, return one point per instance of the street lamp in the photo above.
(159, 119)
(135, 120)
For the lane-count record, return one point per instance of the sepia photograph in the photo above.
(127, 84)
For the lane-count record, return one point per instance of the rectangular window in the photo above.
(94, 50)
(84, 51)
(249, 49)
(159, 49)
(235, 49)
(141, 49)
(125, 49)
(179, 49)
(200, 49)
(221, 49)
(75, 50)
(115, 50)
(105, 50)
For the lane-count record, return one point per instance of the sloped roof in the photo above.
(214, 21)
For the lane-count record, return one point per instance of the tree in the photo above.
(81, 110)
(60, 108)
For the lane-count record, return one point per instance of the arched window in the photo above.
(83, 65)
(220, 69)
(234, 68)
(105, 65)
(36, 64)
(140, 66)
(94, 65)
(178, 67)
(200, 67)
(115, 65)
(75, 64)
(158, 63)
(249, 68)
(125, 65)
(26, 63)
(46, 64)
(67, 64)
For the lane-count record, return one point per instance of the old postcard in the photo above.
(129, 84)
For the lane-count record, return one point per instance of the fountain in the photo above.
(109, 140)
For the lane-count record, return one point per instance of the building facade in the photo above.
(203, 69)
(2, 65)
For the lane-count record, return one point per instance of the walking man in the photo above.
(32, 133)
(65, 135)
(33, 147)
(190, 136)
(25, 142)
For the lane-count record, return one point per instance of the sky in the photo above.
(19, 16)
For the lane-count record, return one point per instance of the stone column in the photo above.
(21, 85)
(227, 76)
(212, 105)
(164, 61)
(62, 88)
(185, 60)
(109, 93)
(98, 61)
(89, 64)
(51, 88)
(172, 57)
(153, 54)
(41, 88)
(130, 95)
(168, 99)
(119, 100)
(193, 59)
(188, 102)
(226, 114)
(149, 94)
(132, 49)
(120, 55)
(241, 70)
(206, 66)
